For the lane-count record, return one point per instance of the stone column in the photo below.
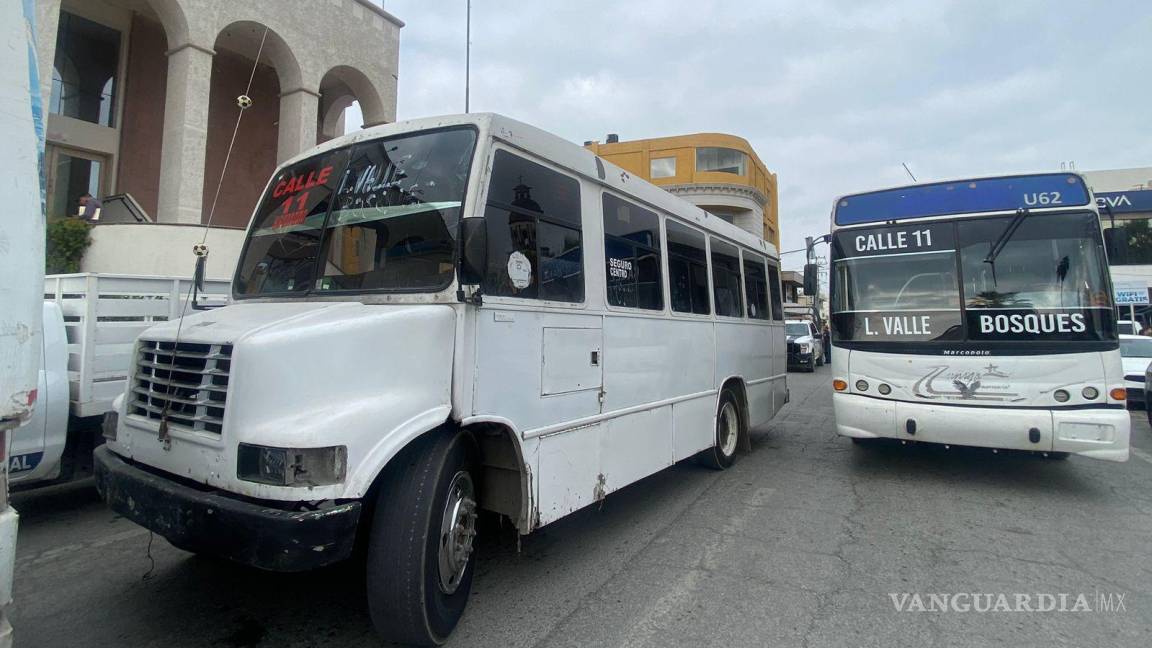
(299, 112)
(185, 138)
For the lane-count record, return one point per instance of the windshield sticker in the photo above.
(986, 384)
(895, 240)
(519, 270)
(302, 182)
(897, 325)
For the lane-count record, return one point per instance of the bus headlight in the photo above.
(1090, 393)
(291, 466)
(1060, 395)
(862, 385)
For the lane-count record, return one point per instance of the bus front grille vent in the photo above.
(188, 382)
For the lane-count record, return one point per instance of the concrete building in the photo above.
(141, 97)
(719, 173)
(1124, 197)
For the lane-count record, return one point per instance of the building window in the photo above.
(726, 280)
(632, 255)
(774, 287)
(663, 167)
(687, 269)
(721, 160)
(84, 72)
(534, 240)
(756, 287)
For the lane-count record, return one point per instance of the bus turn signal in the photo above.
(839, 385)
(1119, 393)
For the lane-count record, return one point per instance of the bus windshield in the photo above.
(378, 215)
(937, 282)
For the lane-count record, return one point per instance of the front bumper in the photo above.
(215, 523)
(1099, 433)
(798, 359)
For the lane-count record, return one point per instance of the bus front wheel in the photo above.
(420, 560)
(729, 428)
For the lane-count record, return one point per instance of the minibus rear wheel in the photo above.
(729, 429)
(420, 559)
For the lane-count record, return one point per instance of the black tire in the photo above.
(726, 439)
(812, 365)
(406, 600)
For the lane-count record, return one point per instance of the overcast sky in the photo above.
(833, 95)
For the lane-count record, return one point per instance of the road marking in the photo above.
(1141, 454)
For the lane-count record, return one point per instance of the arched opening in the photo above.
(343, 88)
(253, 155)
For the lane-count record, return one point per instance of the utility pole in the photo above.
(467, 52)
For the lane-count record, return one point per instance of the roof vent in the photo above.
(613, 138)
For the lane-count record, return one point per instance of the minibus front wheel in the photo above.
(420, 550)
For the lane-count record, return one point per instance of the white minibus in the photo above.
(434, 318)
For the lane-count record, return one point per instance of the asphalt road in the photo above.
(804, 542)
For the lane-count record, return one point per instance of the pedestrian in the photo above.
(90, 208)
(827, 345)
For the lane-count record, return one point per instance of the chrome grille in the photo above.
(186, 381)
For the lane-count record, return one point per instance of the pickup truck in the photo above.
(90, 324)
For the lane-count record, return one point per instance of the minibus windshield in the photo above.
(380, 215)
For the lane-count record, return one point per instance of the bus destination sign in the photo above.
(963, 197)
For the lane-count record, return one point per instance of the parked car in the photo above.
(805, 346)
(1136, 354)
(1127, 327)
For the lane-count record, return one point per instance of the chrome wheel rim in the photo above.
(728, 429)
(457, 531)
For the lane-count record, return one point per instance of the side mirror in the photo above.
(1116, 244)
(811, 279)
(473, 250)
(198, 282)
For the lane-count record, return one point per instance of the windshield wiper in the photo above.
(1003, 239)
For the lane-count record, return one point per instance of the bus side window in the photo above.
(774, 287)
(726, 279)
(687, 269)
(756, 287)
(535, 249)
(632, 255)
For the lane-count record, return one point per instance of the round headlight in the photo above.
(1090, 393)
(884, 389)
(1060, 395)
(862, 385)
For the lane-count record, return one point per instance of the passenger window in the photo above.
(687, 269)
(632, 255)
(535, 249)
(774, 289)
(756, 287)
(726, 279)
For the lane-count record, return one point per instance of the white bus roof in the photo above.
(565, 154)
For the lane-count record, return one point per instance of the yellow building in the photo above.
(719, 173)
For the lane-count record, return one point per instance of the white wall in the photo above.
(161, 249)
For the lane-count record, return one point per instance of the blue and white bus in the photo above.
(979, 313)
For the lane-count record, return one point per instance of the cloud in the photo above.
(833, 94)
